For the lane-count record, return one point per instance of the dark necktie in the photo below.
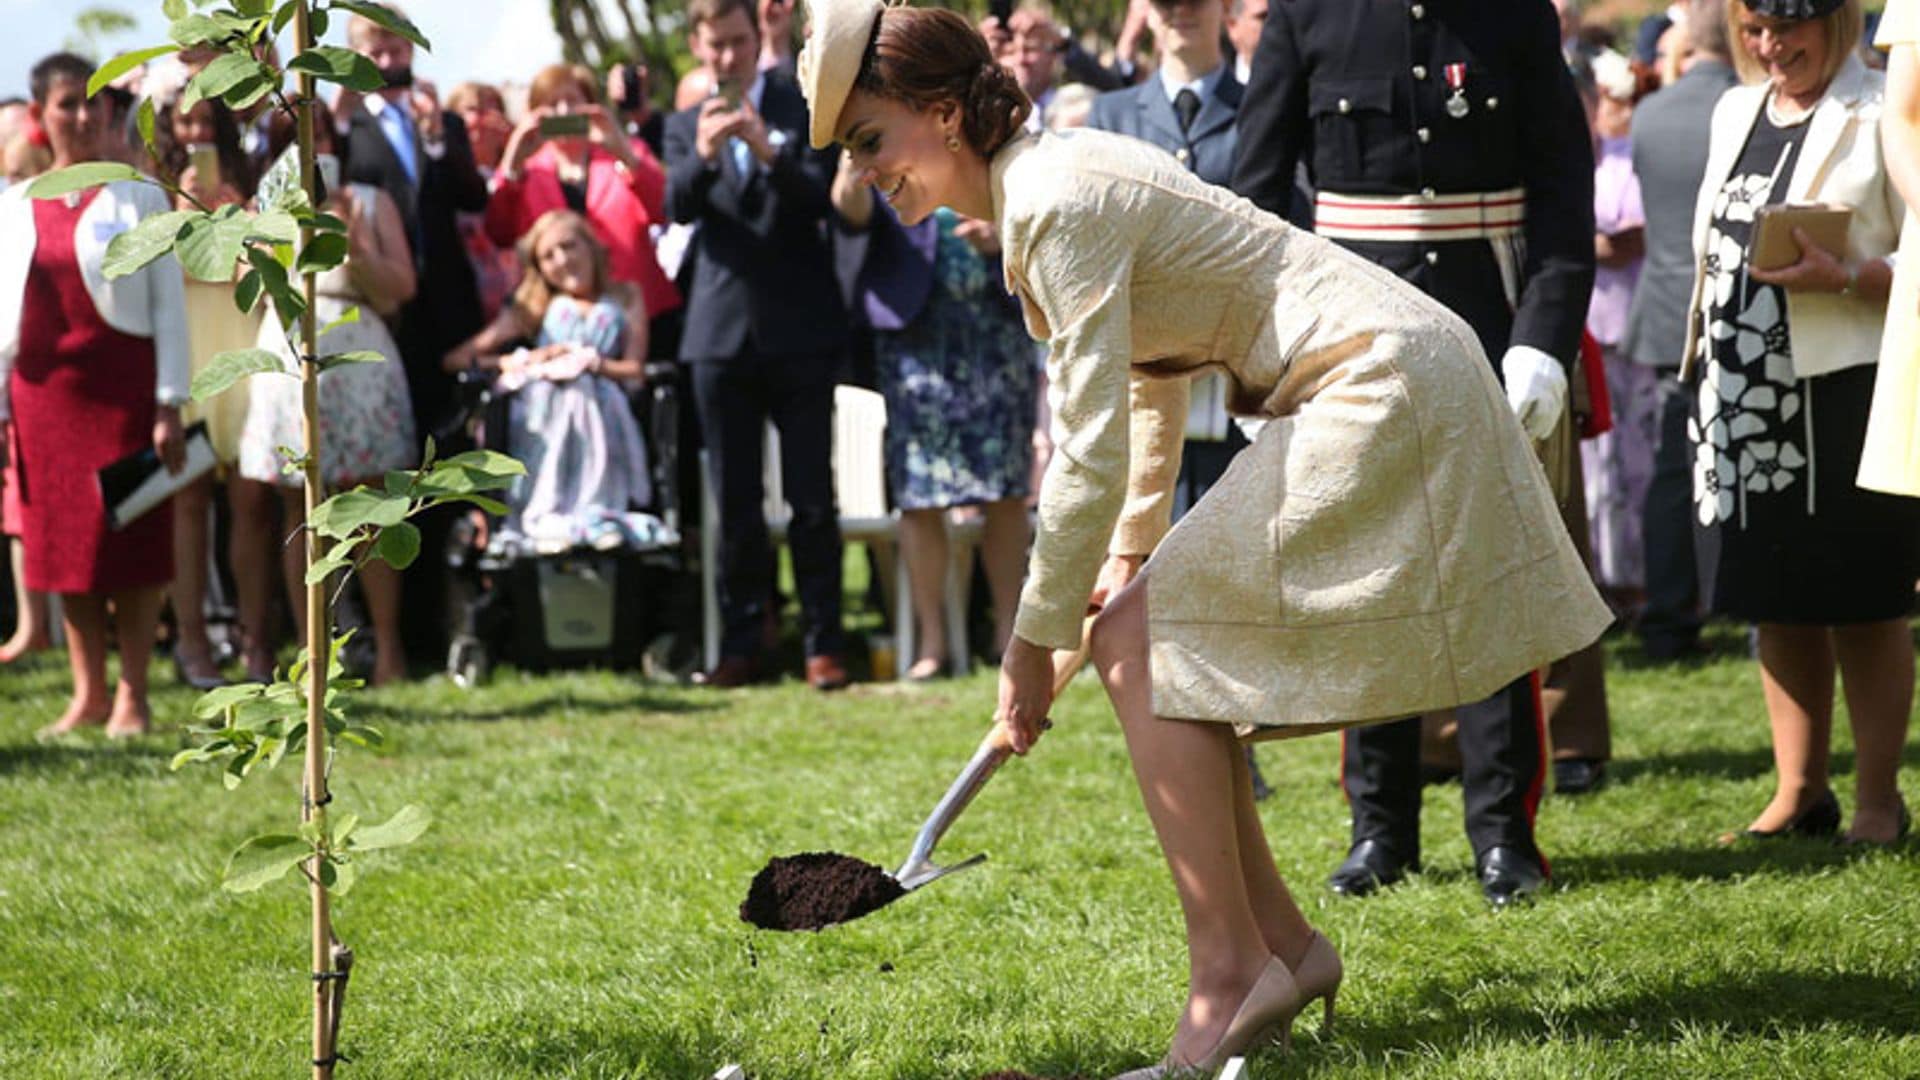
(1186, 105)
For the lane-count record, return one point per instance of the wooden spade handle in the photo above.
(1065, 666)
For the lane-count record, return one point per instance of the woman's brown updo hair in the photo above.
(924, 56)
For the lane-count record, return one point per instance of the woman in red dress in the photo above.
(93, 370)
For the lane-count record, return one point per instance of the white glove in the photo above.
(1536, 388)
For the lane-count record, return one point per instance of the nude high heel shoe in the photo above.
(1273, 1002)
(1318, 976)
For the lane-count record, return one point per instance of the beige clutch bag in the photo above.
(1773, 243)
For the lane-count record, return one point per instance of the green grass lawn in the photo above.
(572, 911)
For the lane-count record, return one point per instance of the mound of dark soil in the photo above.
(814, 890)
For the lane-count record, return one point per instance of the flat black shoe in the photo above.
(1820, 818)
(1578, 776)
(1509, 876)
(1370, 865)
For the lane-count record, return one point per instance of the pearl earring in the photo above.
(953, 143)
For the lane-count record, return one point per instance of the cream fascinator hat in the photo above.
(838, 32)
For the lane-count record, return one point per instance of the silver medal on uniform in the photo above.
(1457, 106)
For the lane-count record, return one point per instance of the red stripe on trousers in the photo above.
(1534, 682)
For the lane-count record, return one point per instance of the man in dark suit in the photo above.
(765, 329)
(425, 162)
(1670, 157)
(419, 154)
(1446, 143)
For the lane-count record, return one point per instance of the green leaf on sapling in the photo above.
(362, 735)
(343, 826)
(347, 317)
(80, 177)
(210, 245)
(344, 876)
(337, 65)
(226, 73)
(188, 30)
(324, 252)
(401, 829)
(148, 240)
(246, 293)
(221, 698)
(357, 356)
(275, 227)
(337, 558)
(143, 123)
(349, 510)
(398, 545)
(230, 367)
(384, 16)
(124, 63)
(263, 860)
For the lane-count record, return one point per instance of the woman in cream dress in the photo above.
(1890, 460)
(1386, 546)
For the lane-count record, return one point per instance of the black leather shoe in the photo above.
(1509, 876)
(1370, 865)
(1820, 818)
(1578, 776)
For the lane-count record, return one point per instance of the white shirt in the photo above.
(1202, 87)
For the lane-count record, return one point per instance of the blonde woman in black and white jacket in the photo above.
(1783, 366)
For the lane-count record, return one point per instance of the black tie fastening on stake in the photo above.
(309, 358)
(326, 976)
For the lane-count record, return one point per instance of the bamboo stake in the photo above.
(314, 808)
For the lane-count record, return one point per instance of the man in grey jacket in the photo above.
(1670, 157)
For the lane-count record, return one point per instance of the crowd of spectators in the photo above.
(580, 233)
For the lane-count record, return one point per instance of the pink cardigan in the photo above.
(621, 204)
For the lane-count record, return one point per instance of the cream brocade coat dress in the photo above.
(1890, 458)
(1386, 546)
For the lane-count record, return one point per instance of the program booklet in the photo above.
(138, 482)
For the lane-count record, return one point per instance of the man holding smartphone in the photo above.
(765, 330)
(398, 139)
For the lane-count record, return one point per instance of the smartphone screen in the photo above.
(569, 124)
(731, 91)
(204, 158)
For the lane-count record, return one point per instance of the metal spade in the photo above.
(920, 869)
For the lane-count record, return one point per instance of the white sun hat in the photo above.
(837, 35)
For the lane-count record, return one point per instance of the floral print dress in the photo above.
(960, 384)
(1786, 535)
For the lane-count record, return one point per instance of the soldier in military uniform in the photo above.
(1446, 142)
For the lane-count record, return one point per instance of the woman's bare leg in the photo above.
(1876, 667)
(1282, 924)
(33, 621)
(381, 584)
(189, 590)
(85, 615)
(1186, 775)
(292, 543)
(1003, 554)
(923, 543)
(1796, 670)
(252, 548)
(135, 613)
